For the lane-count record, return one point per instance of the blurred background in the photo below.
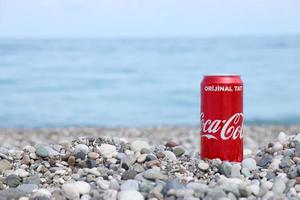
(140, 63)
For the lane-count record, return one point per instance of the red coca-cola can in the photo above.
(222, 117)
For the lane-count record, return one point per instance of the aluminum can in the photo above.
(222, 117)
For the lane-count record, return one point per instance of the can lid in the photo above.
(222, 74)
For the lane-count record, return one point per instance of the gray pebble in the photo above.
(41, 151)
(13, 180)
(27, 188)
(225, 168)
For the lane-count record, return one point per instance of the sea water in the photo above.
(142, 82)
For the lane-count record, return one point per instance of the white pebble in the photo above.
(70, 191)
(254, 189)
(130, 195)
(236, 170)
(297, 187)
(130, 185)
(21, 172)
(43, 193)
(170, 155)
(249, 163)
(277, 147)
(82, 187)
(81, 147)
(138, 145)
(278, 186)
(275, 164)
(282, 138)
(203, 166)
(108, 151)
(103, 184)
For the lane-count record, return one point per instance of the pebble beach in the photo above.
(145, 163)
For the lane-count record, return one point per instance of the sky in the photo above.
(147, 18)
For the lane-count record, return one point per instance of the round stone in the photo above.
(153, 174)
(236, 170)
(108, 151)
(82, 187)
(129, 174)
(34, 179)
(203, 166)
(278, 186)
(13, 180)
(130, 195)
(93, 155)
(171, 144)
(249, 163)
(81, 148)
(170, 155)
(178, 151)
(4, 165)
(130, 185)
(43, 193)
(70, 191)
(137, 145)
(71, 160)
(42, 151)
(27, 188)
(225, 168)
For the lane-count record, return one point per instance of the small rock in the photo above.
(297, 186)
(108, 151)
(265, 160)
(245, 191)
(203, 166)
(249, 163)
(153, 174)
(278, 186)
(42, 151)
(81, 148)
(292, 173)
(130, 195)
(178, 151)
(129, 174)
(225, 168)
(170, 155)
(71, 160)
(297, 149)
(141, 158)
(82, 187)
(282, 138)
(70, 191)
(4, 165)
(21, 173)
(13, 180)
(93, 155)
(130, 185)
(236, 170)
(246, 172)
(34, 179)
(277, 147)
(171, 144)
(90, 163)
(80, 155)
(103, 184)
(173, 184)
(137, 145)
(43, 193)
(27, 188)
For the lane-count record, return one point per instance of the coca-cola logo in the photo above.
(231, 128)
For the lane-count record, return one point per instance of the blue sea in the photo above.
(142, 82)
